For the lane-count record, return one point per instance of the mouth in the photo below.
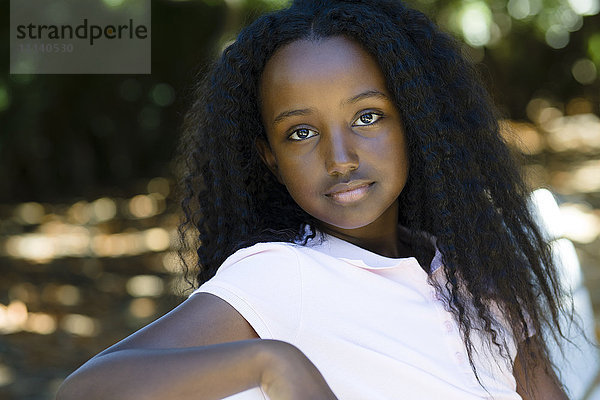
(349, 192)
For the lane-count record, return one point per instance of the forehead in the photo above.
(326, 66)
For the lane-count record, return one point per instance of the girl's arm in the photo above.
(202, 349)
(536, 384)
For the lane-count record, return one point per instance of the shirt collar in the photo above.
(363, 258)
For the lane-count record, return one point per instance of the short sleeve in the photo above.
(263, 284)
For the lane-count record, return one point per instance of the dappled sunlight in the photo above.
(145, 285)
(79, 276)
(572, 143)
(80, 325)
(583, 222)
(83, 230)
(15, 317)
(142, 308)
(89, 247)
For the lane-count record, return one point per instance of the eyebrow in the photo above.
(354, 99)
(366, 95)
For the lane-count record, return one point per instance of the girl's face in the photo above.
(335, 137)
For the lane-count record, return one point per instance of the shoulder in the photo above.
(263, 284)
(261, 252)
(262, 261)
(252, 268)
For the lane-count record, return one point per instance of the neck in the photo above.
(381, 236)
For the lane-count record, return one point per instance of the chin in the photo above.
(348, 223)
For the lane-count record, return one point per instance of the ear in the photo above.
(266, 154)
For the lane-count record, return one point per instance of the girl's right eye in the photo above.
(301, 134)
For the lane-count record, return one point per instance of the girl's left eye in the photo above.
(368, 118)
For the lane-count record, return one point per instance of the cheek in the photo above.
(390, 151)
(401, 155)
(298, 175)
(392, 161)
(402, 163)
(305, 194)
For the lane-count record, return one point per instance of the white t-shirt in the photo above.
(372, 325)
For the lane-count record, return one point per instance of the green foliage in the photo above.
(594, 48)
(64, 136)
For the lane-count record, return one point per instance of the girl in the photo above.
(363, 231)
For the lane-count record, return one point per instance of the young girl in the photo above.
(363, 230)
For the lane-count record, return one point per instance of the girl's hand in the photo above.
(289, 375)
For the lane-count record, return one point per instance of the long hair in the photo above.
(464, 186)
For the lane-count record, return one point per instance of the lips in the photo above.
(348, 192)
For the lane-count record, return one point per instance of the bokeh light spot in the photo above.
(145, 286)
(521, 9)
(80, 325)
(518, 9)
(548, 116)
(475, 23)
(30, 213)
(157, 239)
(35, 247)
(159, 185)
(7, 375)
(79, 212)
(535, 107)
(584, 71)
(142, 308)
(586, 178)
(68, 295)
(163, 94)
(13, 316)
(40, 323)
(557, 37)
(104, 209)
(569, 19)
(142, 206)
(580, 133)
(585, 7)
(583, 226)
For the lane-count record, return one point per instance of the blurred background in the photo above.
(88, 211)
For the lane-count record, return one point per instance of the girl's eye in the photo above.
(302, 133)
(368, 119)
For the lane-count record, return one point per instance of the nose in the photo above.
(340, 154)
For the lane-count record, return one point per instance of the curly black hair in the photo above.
(464, 186)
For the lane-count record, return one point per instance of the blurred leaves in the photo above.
(89, 135)
(86, 162)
